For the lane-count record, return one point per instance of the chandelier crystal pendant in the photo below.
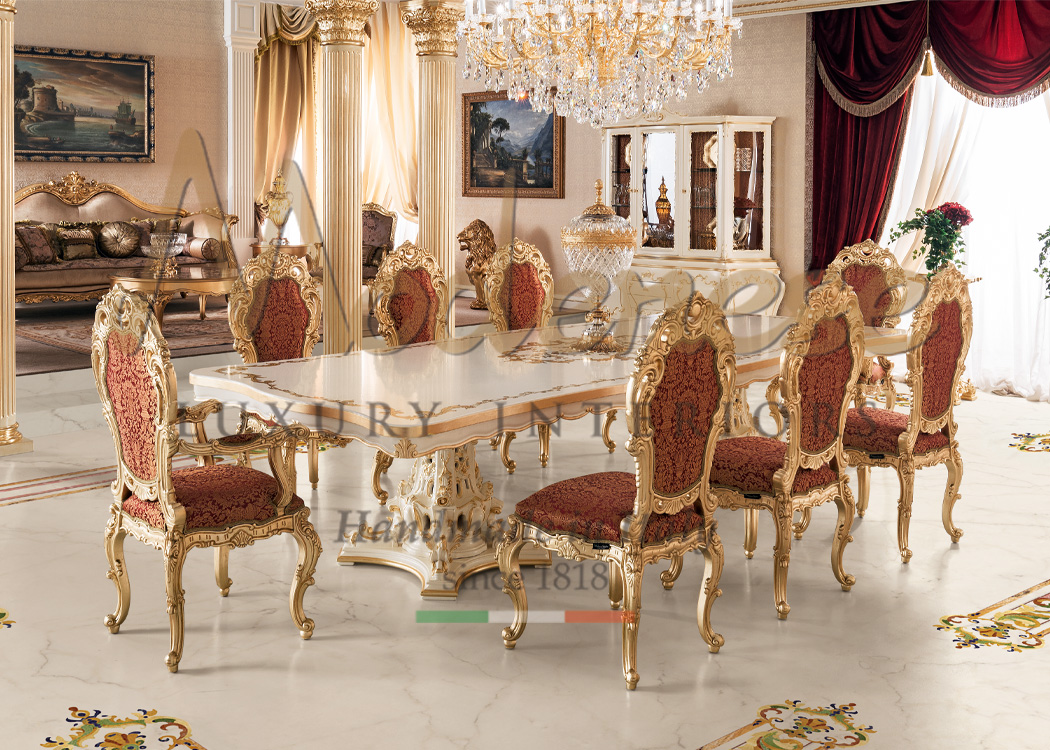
(598, 61)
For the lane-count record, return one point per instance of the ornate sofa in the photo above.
(75, 200)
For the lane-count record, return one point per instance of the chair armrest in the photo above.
(198, 412)
(773, 400)
(244, 442)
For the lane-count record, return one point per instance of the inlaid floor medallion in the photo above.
(795, 726)
(1019, 623)
(143, 730)
(1031, 442)
(5, 619)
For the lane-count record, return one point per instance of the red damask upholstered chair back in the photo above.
(877, 279)
(676, 404)
(136, 384)
(275, 308)
(519, 288)
(411, 297)
(819, 371)
(938, 342)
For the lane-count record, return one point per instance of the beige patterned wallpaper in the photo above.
(769, 79)
(186, 39)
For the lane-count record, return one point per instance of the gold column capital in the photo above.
(7, 6)
(434, 24)
(341, 21)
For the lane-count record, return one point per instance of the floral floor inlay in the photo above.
(144, 730)
(1019, 623)
(1031, 442)
(4, 621)
(794, 726)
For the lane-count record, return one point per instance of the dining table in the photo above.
(432, 402)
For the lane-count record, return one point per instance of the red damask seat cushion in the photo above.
(593, 506)
(877, 431)
(215, 497)
(748, 464)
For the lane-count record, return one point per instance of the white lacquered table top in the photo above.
(446, 393)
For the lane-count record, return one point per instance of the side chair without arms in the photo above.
(411, 308)
(275, 313)
(817, 381)
(222, 506)
(676, 404)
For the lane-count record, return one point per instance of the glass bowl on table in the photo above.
(163, 248)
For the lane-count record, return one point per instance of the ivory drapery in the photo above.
(284, 111)
(389, 162)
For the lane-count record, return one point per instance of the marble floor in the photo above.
(846, 669)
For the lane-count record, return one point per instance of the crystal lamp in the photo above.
(598, 61)
(598, 245)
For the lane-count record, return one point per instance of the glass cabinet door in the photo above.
(620, 172)
(703, 189)
(659, 173)
(748, 190)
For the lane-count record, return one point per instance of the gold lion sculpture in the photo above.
(480, 245)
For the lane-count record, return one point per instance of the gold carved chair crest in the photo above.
(817, 381)
(479, 243)
(411, 297)
(519, 288)
(175, 510)
(880, 285)
(938, 342)
(677, 398)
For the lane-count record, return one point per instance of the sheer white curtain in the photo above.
(995, 162)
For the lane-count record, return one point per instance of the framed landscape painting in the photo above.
(510, 150)
(76, 105)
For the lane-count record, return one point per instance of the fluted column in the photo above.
(433, 23)
(11, 440)
(242, 39)
(340, 26)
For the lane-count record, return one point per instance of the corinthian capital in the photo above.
(341, 21)
(7, 6)
(433, 23)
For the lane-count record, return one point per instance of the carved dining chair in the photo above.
(206, 505)
(880, 285)
(938, 341)
(519, 290)
(676, 402)
(275, 313)
(479, 243)
(411, 308)
(817, 381)
(377, 239)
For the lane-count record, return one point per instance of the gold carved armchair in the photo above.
(817, 381)
(479, 243)
(377, 239)
(411, 308)
(937, 345)
(880, 285)
(221, 506)
(676, 404)
(275, 313)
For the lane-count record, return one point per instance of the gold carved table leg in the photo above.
(159, 302)
(442, 525)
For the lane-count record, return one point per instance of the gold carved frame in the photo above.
(406, 258)
(695, 319)
(947, 285)
(128, 313)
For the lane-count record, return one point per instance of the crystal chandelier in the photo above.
(598, 61)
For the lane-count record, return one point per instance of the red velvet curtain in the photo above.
(996, 53)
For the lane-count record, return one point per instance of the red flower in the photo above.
(956, 213)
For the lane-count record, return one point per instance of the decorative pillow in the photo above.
(21, 254)
(204, 248)
(166, 226)
(77, 243)
(34, 240)
(51, 233)
(119, 239)
(145, 229)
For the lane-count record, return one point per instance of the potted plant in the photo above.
(1043, 269)
(942, 240)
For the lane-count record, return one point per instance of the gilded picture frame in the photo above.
(83, 106)
(510, 150)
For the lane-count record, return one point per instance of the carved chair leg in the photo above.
(632, 612)
(504, 451)
(313, 448)
(906, 475)
(309, 552)
(507, 554)
(863, 489)
(615, 585)
(750, 532)
(804, 517)
(781, 554)
(222, 569)
(174, 557)
(669, 576)
(847, 508)
(951, 495)
(380, 464)
(544, 432)
(714, 560)
(118, 571)
(610, 417)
